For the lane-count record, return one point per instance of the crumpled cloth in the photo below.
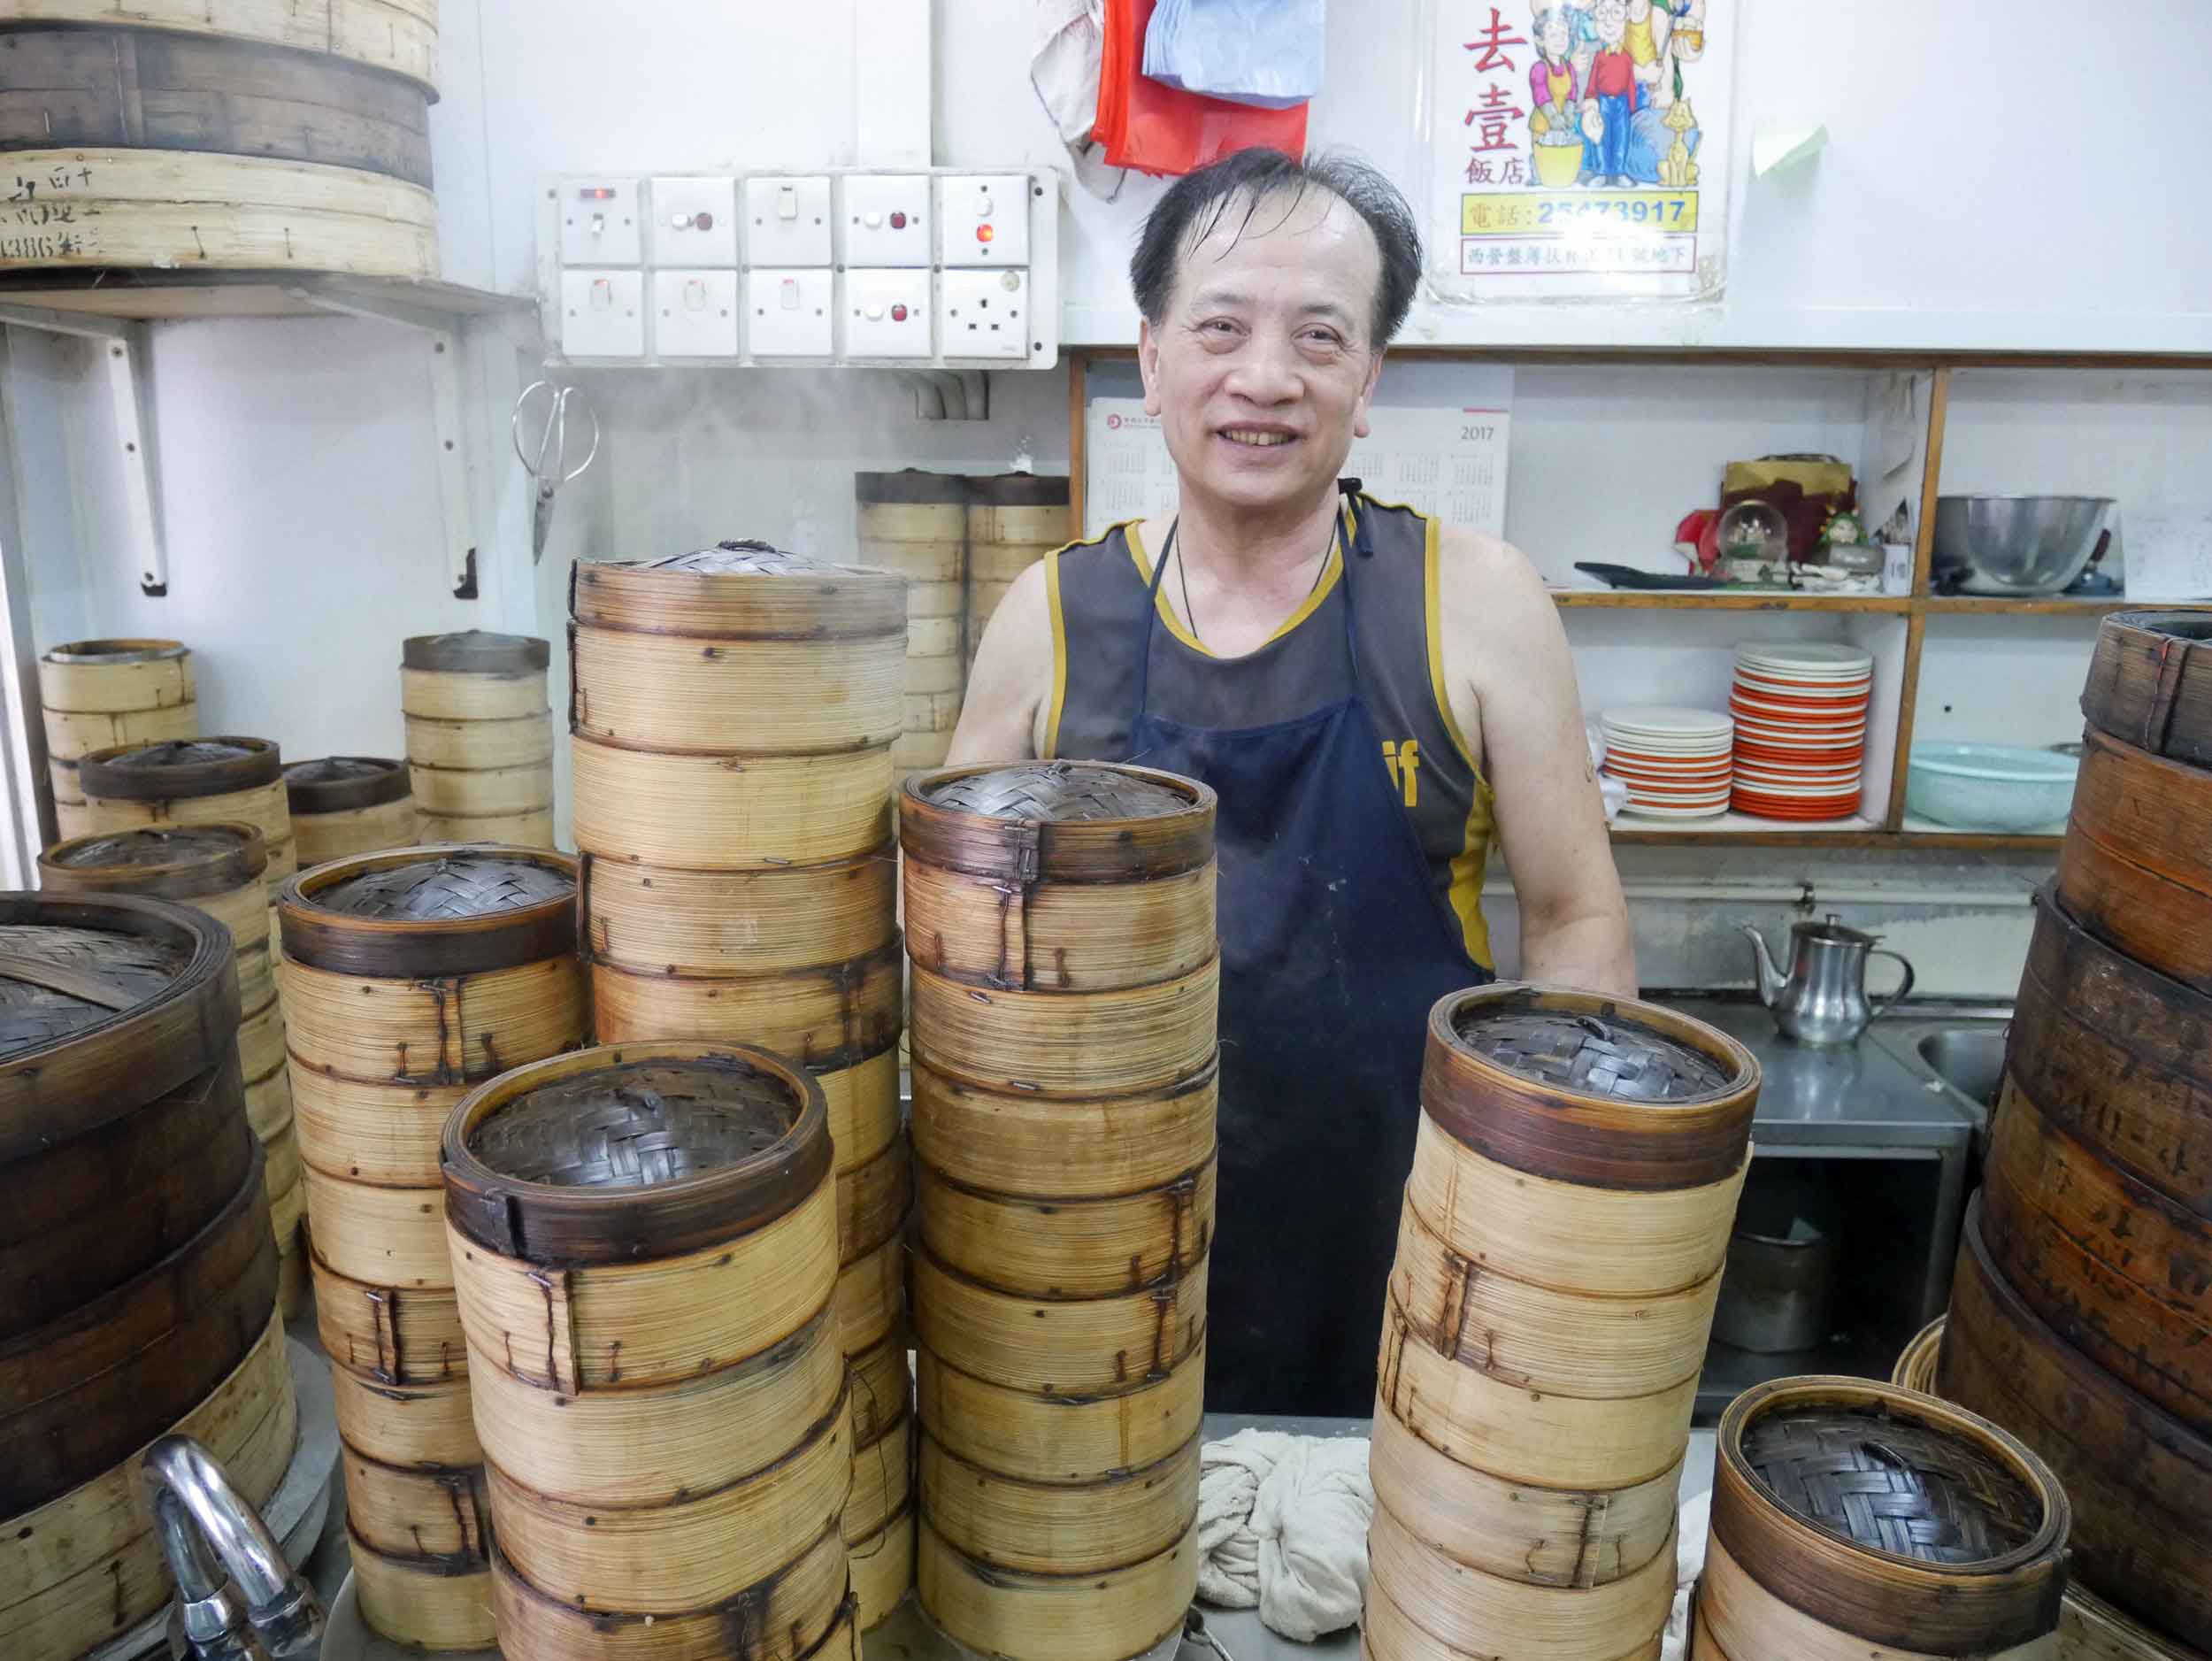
(1696, 1518)
(1282, 1526)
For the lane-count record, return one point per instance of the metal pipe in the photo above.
(197, 1512)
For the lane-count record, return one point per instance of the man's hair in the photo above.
(1195, 205)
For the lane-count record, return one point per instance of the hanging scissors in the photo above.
(548, 459)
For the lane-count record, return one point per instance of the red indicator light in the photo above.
(702, 221)
(597, 193)
(898, 314)
(984, 232)
(898, 221)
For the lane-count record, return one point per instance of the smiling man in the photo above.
(1372, 694)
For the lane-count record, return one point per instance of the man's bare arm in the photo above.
(1009, 689)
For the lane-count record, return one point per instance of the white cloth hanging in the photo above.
(1282, 1528)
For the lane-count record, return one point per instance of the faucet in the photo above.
(234, 1589)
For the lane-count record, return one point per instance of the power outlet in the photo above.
(983, 220)
(984, 314)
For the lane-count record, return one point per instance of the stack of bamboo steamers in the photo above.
(99, 694)
(1061, 922)
(1574, 1183)
(733, 713)
(2081, 1317)
(480, 737)
(410, 975)
(140, 1289)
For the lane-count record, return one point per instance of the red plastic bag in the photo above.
(1159, 129)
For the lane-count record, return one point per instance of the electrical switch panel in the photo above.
(695, 314)
(788, 313)
(985, 314)
(888, 219)
(887, 314)
(599, 221)
(694, 222)
(983, 218)
(601, 314)
(787, 220)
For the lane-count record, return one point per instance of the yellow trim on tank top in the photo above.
(1464, 893)
(1330, 573)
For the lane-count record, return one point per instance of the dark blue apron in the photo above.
(1334, 944)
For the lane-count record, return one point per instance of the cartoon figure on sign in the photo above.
(1554, 86)
(1611, 96)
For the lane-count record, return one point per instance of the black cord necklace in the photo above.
(1182, 577)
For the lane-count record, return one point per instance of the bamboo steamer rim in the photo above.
(338, 784)
(113, 652)
(1021, 490)
(1915, 1367)
(545, 1223)
(761, 592)
(167, 770)
(210, 858)
(1884, 1597)
(2158, 647)
(343, 942)
(1571, 1135)
(476, 651)
(1059, 851)
(110, 1068)
(913, 487)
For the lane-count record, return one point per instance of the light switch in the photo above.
(599, 221)
(601, 314)
(787, 314)
(984, 314)
(694, 222)
(787, 220)
(695, 314)
(886, 313)
(983, 220)
(887, 220)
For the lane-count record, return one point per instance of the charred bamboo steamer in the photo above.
(645, 1245)
(99, 694)
(2150, 683)
(193, 782)
(343, 805)
(2140, 1481)
(1852, 1517)
(1574, 1181)
(480, 737)
(85, 1567)
(1098, 1617)
(2134, 870)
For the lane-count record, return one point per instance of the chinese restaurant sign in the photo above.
(1580, 148)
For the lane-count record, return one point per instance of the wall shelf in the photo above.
(1720, 600)
(159, 297)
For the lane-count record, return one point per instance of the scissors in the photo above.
(548, 461)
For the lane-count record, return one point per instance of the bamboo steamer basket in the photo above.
(2150, 684)
(1136, 1040)
(99, 694)
(406, 1424)
(1058, 1528)
(828, 1017)
(419, 1512)
(1076, 1247)
(343, 805)
(485, 793)
(1057, 1347)
(269, 1103)
(2121, 1272)
(1916, 1368)
(2134, 869)
(480, 737)
(509, 830)
(1100, 1617)
(882, 1480)
(1471, 1612)
(474, 675)
(1089, 936)
(519, 741)
(1012, 1143)
(916, 524)
(872, 1202)
(193, 782)
(871, 1298)
(388, 1336)
(2140, 1481)
(919, 752)
(1882, 1517)
(2108, 1049)
(883, 1569)
(379, 1134)
(1014, 520)
(388, 1237)
(426, 1606)
(739, 591)
(1059, 1438)
(85, 1567)
(397, 36)
(728, 924)
(883, 1389)
(697, 813)
(1389, 1634)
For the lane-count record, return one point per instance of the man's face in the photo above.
(1262, 369)
(1612, 20)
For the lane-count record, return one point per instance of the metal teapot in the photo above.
(1823, 999)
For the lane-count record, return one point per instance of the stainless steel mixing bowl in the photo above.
(2016, 544)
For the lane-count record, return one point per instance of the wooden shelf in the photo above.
(1744, 829)
(2056, 605)
(168, 296)
(1728, 600)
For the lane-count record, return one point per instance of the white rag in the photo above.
(1689, 1562)
(1282, 1526)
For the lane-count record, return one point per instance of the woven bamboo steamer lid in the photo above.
(1563, 1342)
(1054, 1527)
(1389, 1633)
(216, 868)
(699, 813)
(1504, 1427)
(796, 1614)
(85, 1563)
(1059, 1438)
(1106, 1617)
(653, 1266)
(828, 1017)
(651, 920)
(406, 1424)
(882, 1480)
(1970, 1557)
(348, 805)
(422, 1604)
(883, 1391)
(474, 675)
(1010, 1143)
(1085, 937)
(636, 1447)
(883, 1568)
(871, 1300)
(418, 1511)
(1078, 1247)
(508, 830)
(1548, 1536)
(1097, 1346)
(1474, 1612)
(387, 1334)
(740, 590)
(515, 740)
(193, 782)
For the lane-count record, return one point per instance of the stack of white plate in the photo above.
(1675, 762)
(1801, 729)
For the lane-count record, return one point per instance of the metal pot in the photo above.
(2019, 545)
(1781, 1272)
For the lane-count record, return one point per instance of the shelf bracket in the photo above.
(123, 349)
(446, 412)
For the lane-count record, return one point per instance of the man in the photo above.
(1354, 680)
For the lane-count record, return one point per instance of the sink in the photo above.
(1969, 1060)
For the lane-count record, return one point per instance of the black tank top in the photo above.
(1098, 591)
